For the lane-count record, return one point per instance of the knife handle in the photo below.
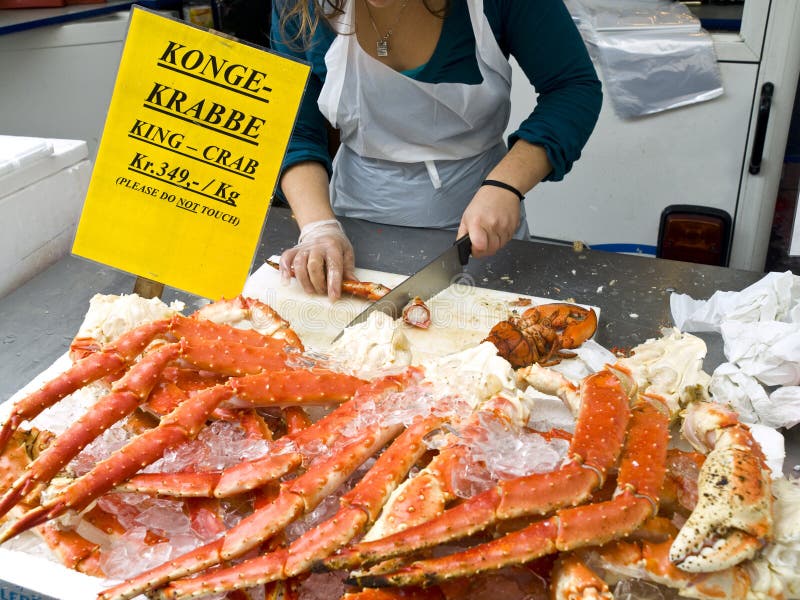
(464, 249)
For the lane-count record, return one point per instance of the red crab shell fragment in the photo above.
(417, 314)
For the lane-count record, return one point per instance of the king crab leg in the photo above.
(640, 477)
(250, 475)
(604, 408)
(296, 497)
(359, 508)
(112, 358)
(182, 424)
(367, 290)
(127, 393)
(207, 345)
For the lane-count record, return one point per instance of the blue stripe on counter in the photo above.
(628, 248)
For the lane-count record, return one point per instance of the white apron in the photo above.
(413, 153)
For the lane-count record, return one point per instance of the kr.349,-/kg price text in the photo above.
(178, 176)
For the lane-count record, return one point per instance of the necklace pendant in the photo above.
(382, 48)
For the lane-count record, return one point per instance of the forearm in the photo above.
(305, 186)
(524, 166)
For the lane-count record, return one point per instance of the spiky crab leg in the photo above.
(359, 508)
(598, 439)
(182, 424)
(293, 388)
(243, 313)
(296, 496)
(95, 366)
(425, 496)
(127, 393)
(640, 477)
(250, 475)
(207, 343)
(733, 517)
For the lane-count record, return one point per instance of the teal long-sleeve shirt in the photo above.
(539, 34)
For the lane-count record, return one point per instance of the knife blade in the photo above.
(425, 283)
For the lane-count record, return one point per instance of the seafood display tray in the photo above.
(461, 317)
(40, 317)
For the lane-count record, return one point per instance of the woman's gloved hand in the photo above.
(322, 257)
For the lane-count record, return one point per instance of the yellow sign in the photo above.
(192, 147)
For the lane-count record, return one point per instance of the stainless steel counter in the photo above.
(39, 319)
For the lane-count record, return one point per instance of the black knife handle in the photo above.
(464, 249)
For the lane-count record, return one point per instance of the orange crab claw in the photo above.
(733, 516)
(650, 561)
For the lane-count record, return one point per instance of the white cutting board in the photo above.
(461, 315)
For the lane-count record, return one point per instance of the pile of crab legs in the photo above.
(621, 438)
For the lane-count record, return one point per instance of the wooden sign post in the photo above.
(191, 150)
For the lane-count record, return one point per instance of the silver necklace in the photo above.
(382, 45)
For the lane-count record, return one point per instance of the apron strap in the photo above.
(433, 173)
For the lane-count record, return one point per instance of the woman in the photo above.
(420, 93)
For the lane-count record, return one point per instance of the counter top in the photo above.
(40, 318)
(21, 19)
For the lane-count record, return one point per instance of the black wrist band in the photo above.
(505, 186)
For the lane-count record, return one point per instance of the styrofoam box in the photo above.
(43, 184)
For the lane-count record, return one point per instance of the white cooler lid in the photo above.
(25, 160)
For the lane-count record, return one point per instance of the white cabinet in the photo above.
(57, 79)
(632, 169)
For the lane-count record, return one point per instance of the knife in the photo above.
(425, 283)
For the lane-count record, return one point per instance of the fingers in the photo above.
(334, 265)
(487, 238)
(300, 267)
(316, 268)
(491, 221)
(285, 265)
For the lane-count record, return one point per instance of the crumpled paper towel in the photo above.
(775, 297)
(768, 351)
(760, 329)
(750, 399)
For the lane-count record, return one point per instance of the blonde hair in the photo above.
(311, 14)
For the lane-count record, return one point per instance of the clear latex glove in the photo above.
(491, 219)
(322, 257)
